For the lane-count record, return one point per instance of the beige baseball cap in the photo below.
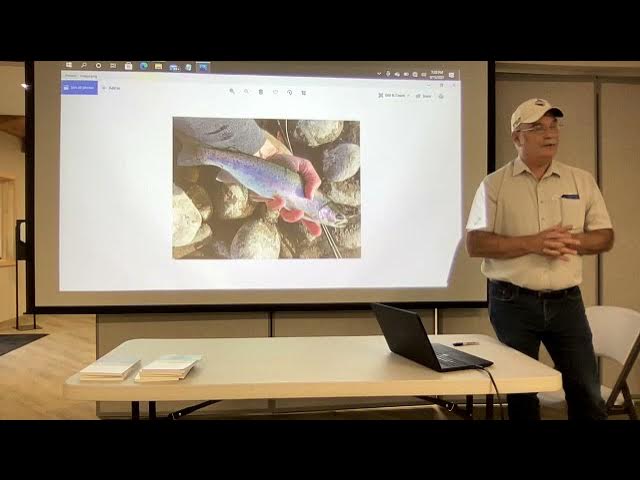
(531, 111)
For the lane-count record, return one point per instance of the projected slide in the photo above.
(233, 176)
(187, 183)
(163, 176)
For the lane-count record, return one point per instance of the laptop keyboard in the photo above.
(447, 360)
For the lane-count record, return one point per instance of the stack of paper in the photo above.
(168, 368)
(109, 369)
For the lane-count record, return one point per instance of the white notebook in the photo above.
(157, 378)
(170, 365)
(110, 368)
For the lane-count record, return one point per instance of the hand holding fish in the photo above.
(273, 150)
(284, 182)
(311, 181)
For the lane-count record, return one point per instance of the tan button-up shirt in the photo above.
(512, 202)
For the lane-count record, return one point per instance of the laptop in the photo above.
(407, 337)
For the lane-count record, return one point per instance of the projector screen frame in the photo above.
(193, 308)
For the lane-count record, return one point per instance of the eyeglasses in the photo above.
(539, 129)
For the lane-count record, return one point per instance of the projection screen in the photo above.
(203, 183)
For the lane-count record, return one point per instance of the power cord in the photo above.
(479, 367)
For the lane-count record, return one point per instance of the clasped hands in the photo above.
(556, 242)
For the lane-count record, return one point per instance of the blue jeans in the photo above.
(522, 320)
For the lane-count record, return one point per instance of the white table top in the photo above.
(314, 367)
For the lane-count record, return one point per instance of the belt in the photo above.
(544, 294)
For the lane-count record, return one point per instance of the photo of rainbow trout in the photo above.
(266, 179)
(223, 189)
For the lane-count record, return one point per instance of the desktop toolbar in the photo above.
(313, 69)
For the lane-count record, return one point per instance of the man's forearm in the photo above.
(492, 245)
(596, 241)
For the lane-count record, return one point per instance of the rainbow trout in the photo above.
(266, 179)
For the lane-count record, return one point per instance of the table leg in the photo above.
(489, 407)
(135, 410)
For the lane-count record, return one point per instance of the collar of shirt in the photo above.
(519, 166)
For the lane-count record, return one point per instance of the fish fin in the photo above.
(225, 177)
(187, 156)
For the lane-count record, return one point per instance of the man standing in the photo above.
(531, 221)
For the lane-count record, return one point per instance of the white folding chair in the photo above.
(616, 335)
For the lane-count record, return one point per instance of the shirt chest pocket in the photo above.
(572, 212)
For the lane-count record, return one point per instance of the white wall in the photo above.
(11, 92)
(577, 63)
(621, 68)
(620, 152)
(12, 164)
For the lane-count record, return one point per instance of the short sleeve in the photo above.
(596, 215)
(483, 210)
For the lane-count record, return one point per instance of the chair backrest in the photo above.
(615, 331)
